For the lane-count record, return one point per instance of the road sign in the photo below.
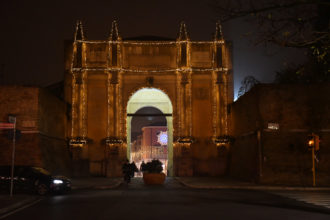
(6, 125)
(12, 119)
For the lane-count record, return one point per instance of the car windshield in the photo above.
(41, 170)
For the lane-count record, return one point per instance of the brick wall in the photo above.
(281, 156)
(41, 119)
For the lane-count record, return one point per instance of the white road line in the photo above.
(20, 209)
(320, 199)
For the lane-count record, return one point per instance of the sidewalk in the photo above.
(227, 183)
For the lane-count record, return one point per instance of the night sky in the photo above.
(33, 32)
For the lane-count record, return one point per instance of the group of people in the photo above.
(128, 170)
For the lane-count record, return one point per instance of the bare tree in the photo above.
(287, 23)
(248, 83)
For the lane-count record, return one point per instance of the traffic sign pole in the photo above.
(313, 159)
(13, 158)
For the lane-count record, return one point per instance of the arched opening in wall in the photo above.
(149, 136)
(150, 129)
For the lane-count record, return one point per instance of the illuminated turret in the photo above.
(183, 39)
(79, 34)
(183, 34)
(219, 44)
(114, 38)
(218, 36)
(114, 34)
(77, 45)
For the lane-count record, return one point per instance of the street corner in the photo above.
(10, 205)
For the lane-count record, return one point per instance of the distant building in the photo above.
(41, 120)
(151, 147)
(151, 144)
(271, 124)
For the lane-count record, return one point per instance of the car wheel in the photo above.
(42, 189)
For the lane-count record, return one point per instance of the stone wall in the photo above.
(52, 122)
(281, 156)
(23, 103)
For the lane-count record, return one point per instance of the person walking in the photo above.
(126, 169)
(133, 169)
(143, 166)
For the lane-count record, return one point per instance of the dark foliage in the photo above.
(309, 72)
(154, 166)
(301, 24)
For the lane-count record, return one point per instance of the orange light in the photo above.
(311, 143)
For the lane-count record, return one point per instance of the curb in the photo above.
(115, 185)
(108, 187)
(274, 188)
(18, 205)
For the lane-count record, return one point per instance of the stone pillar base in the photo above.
(116, 158)
(183, 162)
(184, 166)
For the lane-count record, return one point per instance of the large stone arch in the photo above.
(101, 77)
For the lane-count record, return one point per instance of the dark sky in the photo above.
(32, 34)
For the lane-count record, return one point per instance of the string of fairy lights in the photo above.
(115, 42)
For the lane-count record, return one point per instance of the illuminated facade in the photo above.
(102, 76)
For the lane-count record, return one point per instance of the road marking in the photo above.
(20, 208)
(315, 198)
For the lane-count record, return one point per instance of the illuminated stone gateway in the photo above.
(102, 77)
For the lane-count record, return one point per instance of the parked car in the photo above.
(33, 179)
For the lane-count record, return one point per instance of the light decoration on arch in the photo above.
(149, 43)
(162, 138)
(151, 71)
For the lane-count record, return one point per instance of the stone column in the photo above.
(182, 159)
(115, 152)
(78, 139)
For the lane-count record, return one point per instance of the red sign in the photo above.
(6, 125)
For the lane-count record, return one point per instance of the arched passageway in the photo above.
(150, 128)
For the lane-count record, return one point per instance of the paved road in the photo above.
(172, 201)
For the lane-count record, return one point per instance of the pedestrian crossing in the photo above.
(315, 198)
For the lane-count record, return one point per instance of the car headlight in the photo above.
(56, 181)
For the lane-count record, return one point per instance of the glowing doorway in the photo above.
(149, 116)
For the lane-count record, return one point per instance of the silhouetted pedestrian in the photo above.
(143, 166)
(126, 169)
(133, 169)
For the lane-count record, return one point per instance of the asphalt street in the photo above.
(171, 201)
